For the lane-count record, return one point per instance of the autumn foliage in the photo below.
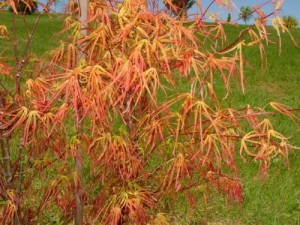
(112, 102)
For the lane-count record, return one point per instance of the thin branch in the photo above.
(14, 38)
(5, 151)
(30, 36)
(239, 38)
(6, 90)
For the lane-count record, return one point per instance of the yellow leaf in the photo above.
(283, 109)
(278, 4)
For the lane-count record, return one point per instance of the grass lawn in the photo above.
(277, 200)
(45, 38)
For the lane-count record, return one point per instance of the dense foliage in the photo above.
(101, 121)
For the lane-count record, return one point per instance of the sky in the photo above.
(290, 7)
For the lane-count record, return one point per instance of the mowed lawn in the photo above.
(277, 199)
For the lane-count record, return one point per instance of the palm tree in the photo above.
(245, 13)
(182, 6)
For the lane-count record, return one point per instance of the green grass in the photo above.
(45, 38)
(277, 200)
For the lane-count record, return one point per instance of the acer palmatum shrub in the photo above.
(106, 131)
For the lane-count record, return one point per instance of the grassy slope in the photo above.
(277, 201)
(43, 39)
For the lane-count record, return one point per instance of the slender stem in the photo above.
(79, 188)
(204, 13)
(258, 6)
(79, 191)
(4, 142)
(14, 37)
(5, 152)
(6, 90)
(239, 38)
(19, 63)
(22, 62)
(30, 37)
(83, 17)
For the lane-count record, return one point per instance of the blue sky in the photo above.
(290, 7)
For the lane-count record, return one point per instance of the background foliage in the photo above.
(24, 8)
(290, 22)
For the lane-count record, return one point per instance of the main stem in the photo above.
(79, 188)
(79, 210)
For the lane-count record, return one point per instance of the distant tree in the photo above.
(290, 22)
(245, 13)
(25, 9)
(229, 18)
(179, 7)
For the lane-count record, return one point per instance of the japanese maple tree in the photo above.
(107, 130)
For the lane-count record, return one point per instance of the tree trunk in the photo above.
(83, 17)
(78, 193)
